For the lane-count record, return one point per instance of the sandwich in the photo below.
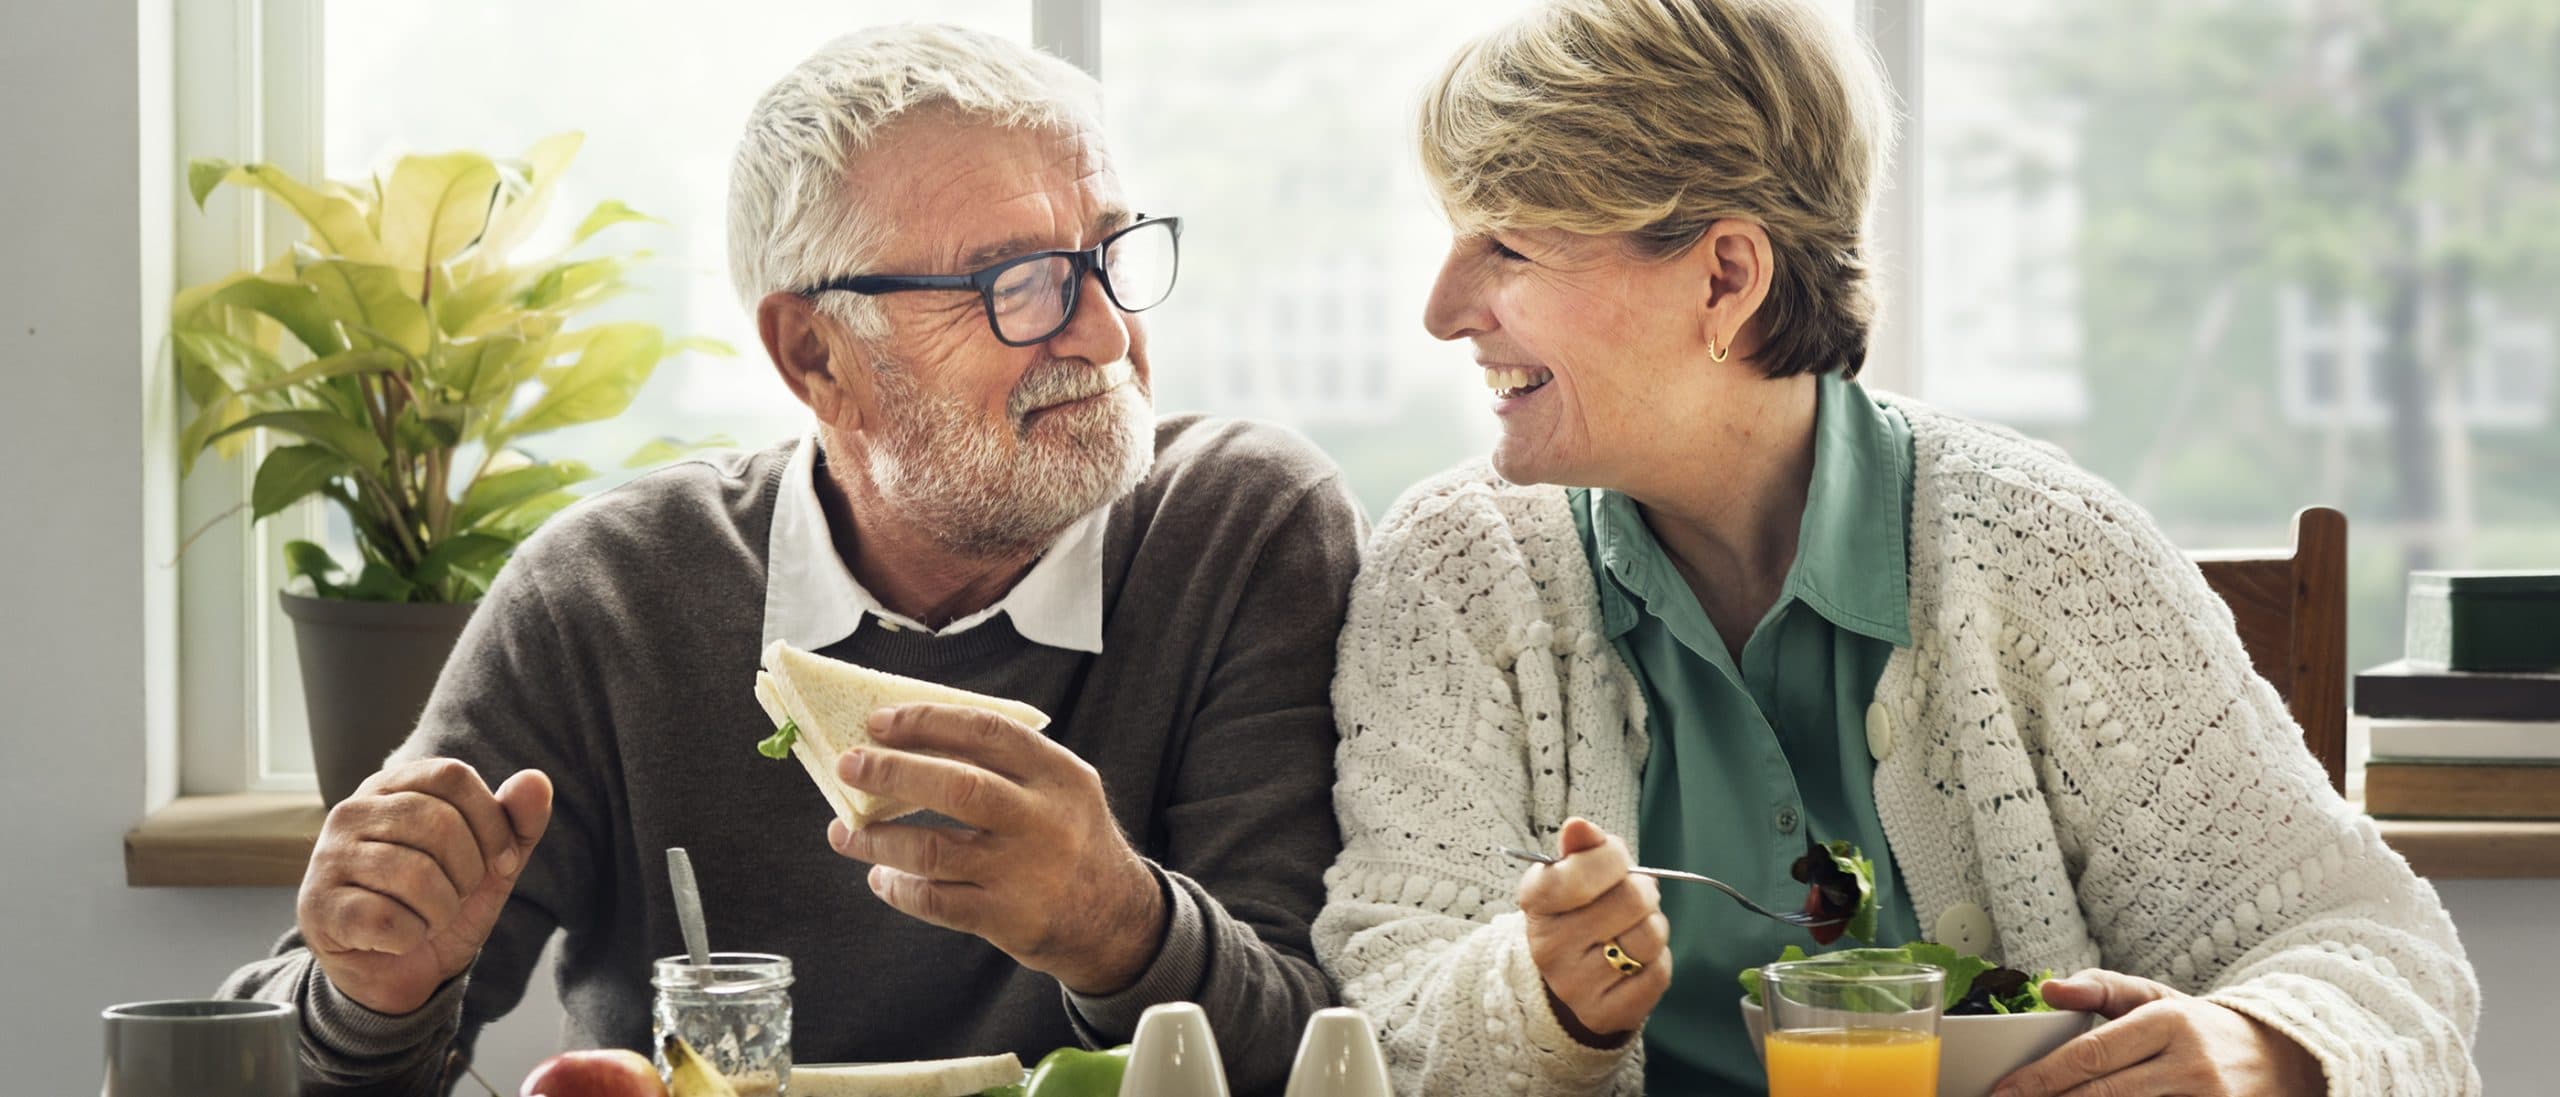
(822, 708)
(931, 1078)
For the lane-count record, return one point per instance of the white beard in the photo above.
(984, 493)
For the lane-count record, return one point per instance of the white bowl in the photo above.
(1974, 1053)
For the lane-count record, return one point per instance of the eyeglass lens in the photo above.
(1030, 300)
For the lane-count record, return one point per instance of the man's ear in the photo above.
(806, 350)
(1739, 267)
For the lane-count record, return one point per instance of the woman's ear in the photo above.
(1739, 268)
(802, 343)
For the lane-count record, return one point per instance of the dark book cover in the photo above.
(2412, 690)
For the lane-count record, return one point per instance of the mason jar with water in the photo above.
(734, 1010)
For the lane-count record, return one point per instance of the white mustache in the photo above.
(1064, 382)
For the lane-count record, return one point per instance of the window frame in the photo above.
(247, 82)
(248, 79)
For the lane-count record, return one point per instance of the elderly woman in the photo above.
(1711, 598)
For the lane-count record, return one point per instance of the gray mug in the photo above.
(201, 1048)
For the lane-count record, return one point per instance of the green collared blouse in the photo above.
(1751, 757)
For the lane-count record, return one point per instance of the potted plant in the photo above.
(403, 353)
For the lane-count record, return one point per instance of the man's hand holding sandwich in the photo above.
(1044, 872)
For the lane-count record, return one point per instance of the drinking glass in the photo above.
(735, 1011)
(1847, 1028)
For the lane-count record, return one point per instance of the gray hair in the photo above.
(1657, 118)
(794, 219)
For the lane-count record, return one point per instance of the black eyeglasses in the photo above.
(1030, 298)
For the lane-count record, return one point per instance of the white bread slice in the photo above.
(930, 1078)
(832, 701)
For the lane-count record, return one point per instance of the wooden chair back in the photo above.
(2291, 607)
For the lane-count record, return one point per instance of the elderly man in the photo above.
(943, 267)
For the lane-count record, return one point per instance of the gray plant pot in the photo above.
(367, 668)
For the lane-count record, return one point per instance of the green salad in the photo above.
(1975, 986)
(1840, 883)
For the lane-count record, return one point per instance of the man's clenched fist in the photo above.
(409, 875)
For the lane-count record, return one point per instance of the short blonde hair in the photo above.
(793, 221)
(1657, 118)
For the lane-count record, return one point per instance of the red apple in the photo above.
(611, 1072)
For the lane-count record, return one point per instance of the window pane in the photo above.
(2245, 257)
(660, 92)
(1283, 136)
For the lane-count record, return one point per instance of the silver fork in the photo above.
(1796, 918)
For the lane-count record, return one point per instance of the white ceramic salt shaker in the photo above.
(1174, 1055)
(1339, 1057)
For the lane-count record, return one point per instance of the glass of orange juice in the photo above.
(1849, 1028)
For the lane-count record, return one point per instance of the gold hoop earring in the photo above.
(1718, 356)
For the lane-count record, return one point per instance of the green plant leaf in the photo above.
(293, 304)
(465, 551)
(617, 360)
(337, 223)
(469, 307)
(435, 206)
(342, 437)
(184, 309)
(575, 285)
(520, 520)
(497, 491)
(347, 364)
(205, 173)
(662, 450)
(289, 474)
(215, 418)
(420, 431)
(379, 583)
(203, 383)
(368, 298)
(475, 579)
(607, 214)
(305, 560)
(237, 365)
(478, 372)
(517, 216)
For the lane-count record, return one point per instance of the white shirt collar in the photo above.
(812, 600)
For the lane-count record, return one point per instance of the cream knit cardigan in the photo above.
(2079, 768)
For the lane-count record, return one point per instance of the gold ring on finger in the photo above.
(1617, 956)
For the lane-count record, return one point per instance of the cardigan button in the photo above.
(1879, 731)
(1966, 928)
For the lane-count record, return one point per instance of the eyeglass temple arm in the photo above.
(897, 283)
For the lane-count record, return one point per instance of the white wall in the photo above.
(74, 608)
(2511, 928)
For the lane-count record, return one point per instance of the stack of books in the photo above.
(2450, 744)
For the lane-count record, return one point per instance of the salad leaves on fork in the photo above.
(1840, 883)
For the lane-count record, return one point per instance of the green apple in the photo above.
(1075, 1072)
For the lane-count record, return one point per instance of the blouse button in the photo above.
(1787, 819)
(1965, 928)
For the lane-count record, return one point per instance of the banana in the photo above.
(688, 1074)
